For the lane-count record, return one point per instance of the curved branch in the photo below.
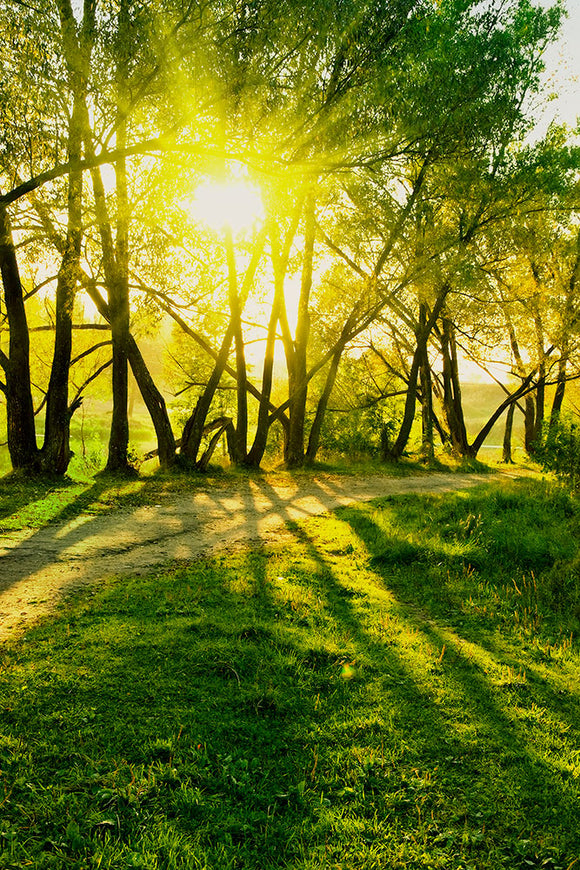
(75, 402)
(74, 165)
(90, 351)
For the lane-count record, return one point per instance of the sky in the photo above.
(562, 74)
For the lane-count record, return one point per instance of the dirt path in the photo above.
(38, 567)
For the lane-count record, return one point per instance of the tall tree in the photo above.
(76, 49)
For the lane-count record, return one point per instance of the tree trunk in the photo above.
(560, 390)
(477, 444)
(427, 446)
(441, 431)
(297, 370)
(279, 265)
(115, 257)
(194, 428)
(316, 428)
(241, 433)
(540, 406)
(256, 453)
(116, 281)
(218, 427)
(423, 331)
(56, 452)
(452, 403)
(21, 430)
(118, 285)
(396, 450)
(118, 290)
(155, 405)
(540, 392)
(77, 44)
(118, 460)
(279, 257)
(529, 405)
(529, 424)
(507, 437)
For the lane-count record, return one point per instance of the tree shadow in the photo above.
(280, 678)
(496, 716)
(80, 545)
(267, 709)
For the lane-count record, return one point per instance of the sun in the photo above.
(236, 205)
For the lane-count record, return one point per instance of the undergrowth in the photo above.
(395, 688)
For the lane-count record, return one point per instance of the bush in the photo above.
(559, 450)
(358, 432)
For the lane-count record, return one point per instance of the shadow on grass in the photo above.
(467, 729)
(38, 549)
(78, 544)
(41, 501)
(515, 726)
(18, 493)
(287, 707)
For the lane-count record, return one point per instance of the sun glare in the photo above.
(236, 206)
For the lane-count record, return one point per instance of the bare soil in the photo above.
(41, 566)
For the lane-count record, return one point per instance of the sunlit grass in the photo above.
(324, 705)
(33, 503)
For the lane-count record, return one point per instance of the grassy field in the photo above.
(398, 687)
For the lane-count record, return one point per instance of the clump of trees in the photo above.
(406, 223)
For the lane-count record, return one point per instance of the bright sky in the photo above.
(562, 74)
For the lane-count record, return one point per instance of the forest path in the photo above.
(40, 566)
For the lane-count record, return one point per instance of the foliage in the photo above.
(357, 432)
(383, 137)
(393, 687)
(558, 449)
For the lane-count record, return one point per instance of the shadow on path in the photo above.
(38, 566)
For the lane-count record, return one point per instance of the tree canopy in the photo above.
(373, 213)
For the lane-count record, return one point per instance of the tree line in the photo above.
(407, 224)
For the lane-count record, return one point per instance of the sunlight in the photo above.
(235, 205)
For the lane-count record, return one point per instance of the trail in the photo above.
(40, 566)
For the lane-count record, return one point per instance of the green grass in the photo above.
(33, 503)
(397, 687)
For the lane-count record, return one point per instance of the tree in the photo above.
(77, 52)
(369, 126)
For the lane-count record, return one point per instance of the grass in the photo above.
(397, 687)
(35, 502)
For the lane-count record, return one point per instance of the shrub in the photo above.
(358, 432)
(558, 450)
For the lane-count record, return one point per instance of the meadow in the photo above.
(397, 687)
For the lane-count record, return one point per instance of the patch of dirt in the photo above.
(40, 566)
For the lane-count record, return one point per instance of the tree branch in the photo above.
(75, 402)
(91, 350)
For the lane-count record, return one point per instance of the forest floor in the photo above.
(39, 566)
